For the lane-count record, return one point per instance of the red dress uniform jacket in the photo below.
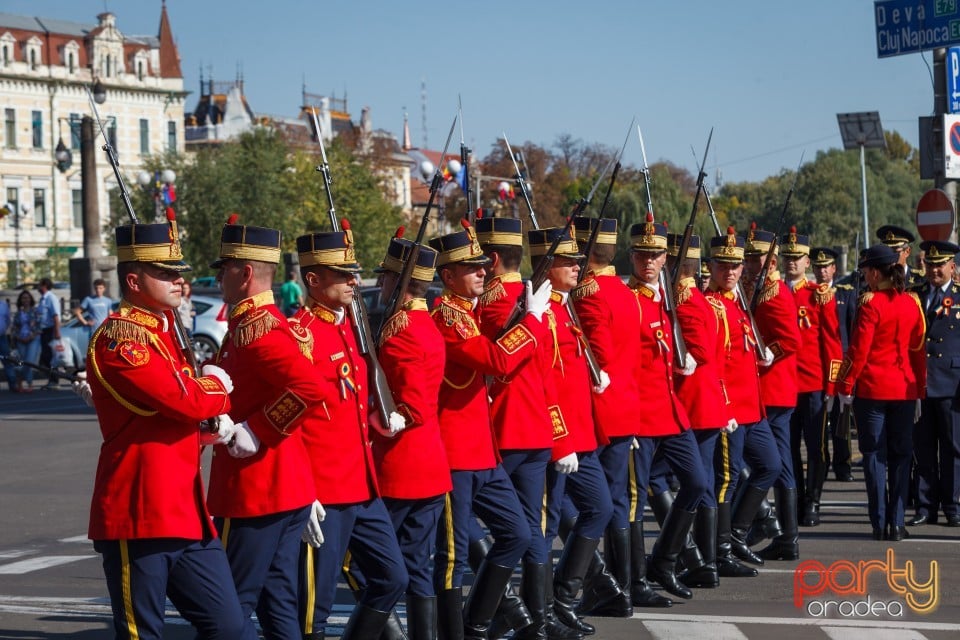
(776, 317)
(886, 359)
(413, 464)
(464, 411)
(609, 316)
(662, 413)
(274, 389)
(149, 405)
(702, 393)
(337, 431)
(524, 407)
(571, 377)
(821, 351)
(741, 381)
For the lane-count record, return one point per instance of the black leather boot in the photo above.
(816, 476)
(422, 617)
(786, 546)
(603, 591)
(511, 613)
(533, 591)
(365, 623)
(393, 630)
(316, 635)
(574, 561)
(483, 600)
(765, 526)
(704, 576)
(641, 595)
(727, 565)
(740, 522)
(450, 614)
(555, 629)
(663, 560)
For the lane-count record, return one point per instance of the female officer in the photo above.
(887, 363)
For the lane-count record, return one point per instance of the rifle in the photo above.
(179, 331)
(539, 275)
(666, 281)
(465, 163)
(379, 388)
(688, 231)
(17, 362)
(403, 283)
(765, 269)
(760, 347)
(846, 414)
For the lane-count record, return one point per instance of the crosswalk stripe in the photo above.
(846, 633)
(676, 630)
(35, 564)
(882, 624)
(14, 553)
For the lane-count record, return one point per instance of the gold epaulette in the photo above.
(824, 294)
(124, 329)
(585, 289)
(254, 326)
(769, 292)
(396, 324)
(304, 337)
(495, 292)
(683, 291)
(866, 297)
(455, 315)
(916, 298)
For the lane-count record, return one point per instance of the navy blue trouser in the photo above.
(194, 574)
(936, 445)
(841, 444)
(681, 454)
(490, 495)
(753, 445)
(263, 553)
(615, 461)
(884, 430)
(365, 528)
(778, 418)
(707, 440)
(527, 469)
(589, 493)
(809, 426)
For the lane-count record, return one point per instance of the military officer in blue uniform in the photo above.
(937, 435)
(899, 239)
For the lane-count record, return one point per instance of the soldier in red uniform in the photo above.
(412, 467)
(750, 439)
(576, 472)
(887, 363)
(776, 319)
(609, 315)
(261, 497)
(702, 396)
(663, 425)
(147, 517)
(818, 364)
(524, 409)
(338, 440)
(480, 484)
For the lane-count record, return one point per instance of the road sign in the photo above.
(953, 80)
(909, 26)
(935, 215)
(951, 146)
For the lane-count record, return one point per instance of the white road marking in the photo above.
(676, 630)
(36, 564)
(803, 622)
(846, 633)
(15, 553)
(81, 539)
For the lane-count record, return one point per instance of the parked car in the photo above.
(209, 328)
(376, 309)
(204, 282)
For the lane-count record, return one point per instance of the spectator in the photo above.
(186, 310)
(49, 308)
(26, 334)
(8, 368)
(291, 295)
(93, 310)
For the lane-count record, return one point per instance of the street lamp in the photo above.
(862, 130)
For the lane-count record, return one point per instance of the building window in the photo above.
(40, 207)
(71, 62)
(112, 134)
(172, 135)
(6, 55)
(140, 69)
(144, 137)
(76, 196)
(75, 131)
(13, 199)
(36, 118)
(10, 128)
(33, 59)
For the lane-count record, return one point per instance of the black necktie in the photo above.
(935, 301)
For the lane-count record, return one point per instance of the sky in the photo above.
(768, 76)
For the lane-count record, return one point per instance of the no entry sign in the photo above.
(935, 216)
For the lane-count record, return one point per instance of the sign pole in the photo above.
(863, 194)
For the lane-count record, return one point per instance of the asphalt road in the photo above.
(51, 586)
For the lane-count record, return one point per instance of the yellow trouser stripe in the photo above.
(310, 579)
(823, 435)
(543, 511)
(347, 575)
(725, 462)
(451, 550)
(226, 533)
(633, 489)
(127, 591)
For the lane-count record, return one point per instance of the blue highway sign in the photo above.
(911, 26)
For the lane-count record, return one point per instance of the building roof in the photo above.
(169, 57)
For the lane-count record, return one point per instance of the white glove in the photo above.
(539, 302)
(397, 423)
(767, 357)
(828, 400)
(214, 371)
(226, 429)
(731, 426)
(845, 400)
(246, 442)
(567, 464)
(689, 366)
(312, 534)
(604, 383)
(634, 443)
(82, 388)
(917, 412)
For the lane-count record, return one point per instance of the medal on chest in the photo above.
(803, 318)
(749, 342)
